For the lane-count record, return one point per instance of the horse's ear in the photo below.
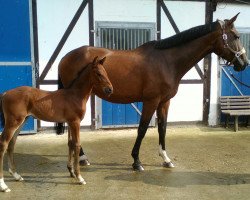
(232, 20)
(102, 60)
(95, 60)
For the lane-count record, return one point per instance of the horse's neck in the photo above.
(191, 53)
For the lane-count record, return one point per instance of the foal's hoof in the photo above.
(138, 168)
(168, 164)
(16, 176)
(4, 187)
(5, 190)
(84, 162)
(83, 182)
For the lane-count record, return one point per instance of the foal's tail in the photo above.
(2, 120)
(60, 127)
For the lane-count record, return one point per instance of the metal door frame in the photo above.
(121, 25)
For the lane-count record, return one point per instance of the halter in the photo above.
(237, 54)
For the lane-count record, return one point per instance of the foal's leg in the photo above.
(5, 138)
(147, 113)
(75, 133)
(70, 156)
(10, 150)
(162, 113)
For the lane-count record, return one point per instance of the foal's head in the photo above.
(229, 45)
(99, 77)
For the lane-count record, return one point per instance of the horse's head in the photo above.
(229, 46)
(99, 76)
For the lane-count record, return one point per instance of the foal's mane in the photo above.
(185, 36)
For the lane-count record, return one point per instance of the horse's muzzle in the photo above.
(240, 64)
(108, 91)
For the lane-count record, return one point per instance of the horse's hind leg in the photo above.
(10, 151)
(162, 113)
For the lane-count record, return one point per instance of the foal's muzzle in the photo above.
(108, 91)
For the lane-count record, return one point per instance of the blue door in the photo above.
(235, 84)
(16, 56)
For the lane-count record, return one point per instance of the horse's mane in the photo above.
(78, 75)
(185, 36)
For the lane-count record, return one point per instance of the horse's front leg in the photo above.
(162, 113)
(75, 133)
(147, 113)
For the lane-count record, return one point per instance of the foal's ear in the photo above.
(95, 61)
(232, 20)
(102, 60)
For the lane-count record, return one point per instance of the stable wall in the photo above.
(187, 104)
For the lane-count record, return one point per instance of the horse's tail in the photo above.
(2, 119)
(60, 127)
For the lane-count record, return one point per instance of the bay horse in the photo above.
(65, 105)
(152, 72)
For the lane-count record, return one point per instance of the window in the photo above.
(124, 35)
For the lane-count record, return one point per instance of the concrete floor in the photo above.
(211, 163)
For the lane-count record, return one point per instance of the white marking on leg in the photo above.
(81, 180)
(3, 186)
(83, 157)
(16, 176)
(163, 154)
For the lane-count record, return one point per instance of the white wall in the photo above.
(53, 18)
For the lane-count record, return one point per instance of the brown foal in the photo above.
(65, 105)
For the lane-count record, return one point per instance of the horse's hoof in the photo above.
(168, 164)
(84, 163)
(138, 168)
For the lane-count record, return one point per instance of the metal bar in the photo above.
(158, 19)
(91, 43)
(15, 63)
(207, 68)
(91, 22)
(170, 18)
(191, 81)
(235, 85)
(136, 109)
(48, 82)
(35, 41)
(63, 39)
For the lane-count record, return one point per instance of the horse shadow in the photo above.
(180, 179)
